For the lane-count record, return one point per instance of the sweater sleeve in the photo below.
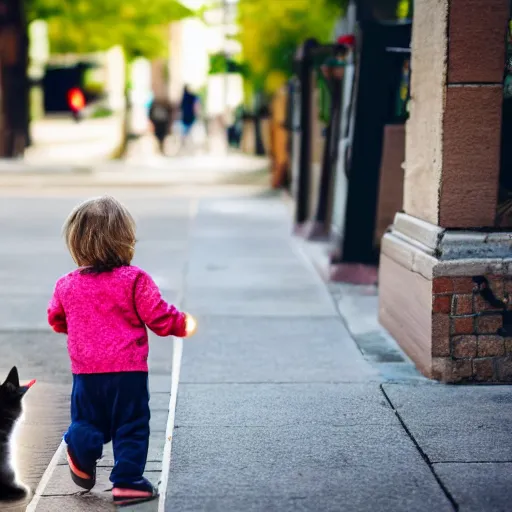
(56, 314)
(162, 318)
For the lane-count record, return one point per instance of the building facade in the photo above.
(427, 181)
(445, 277)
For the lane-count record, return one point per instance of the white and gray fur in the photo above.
(11, 410)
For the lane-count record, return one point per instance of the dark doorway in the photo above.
(58, 80)
(380, 73)
(504, 209)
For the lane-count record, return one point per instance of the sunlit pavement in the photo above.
(282, 404)
(60, 160)
(61, 140)
(276, 406)
(32, 257)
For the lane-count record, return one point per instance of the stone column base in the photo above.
(446, 296)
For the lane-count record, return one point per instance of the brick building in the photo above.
(432, 156)
(445, 276)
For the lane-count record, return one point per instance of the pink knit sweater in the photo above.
(105, 317)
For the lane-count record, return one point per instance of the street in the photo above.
(283, 404)
(33, 256)
(341, 248)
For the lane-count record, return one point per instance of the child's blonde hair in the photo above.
(100, 234)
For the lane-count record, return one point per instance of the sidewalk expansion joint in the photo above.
(276, 383)
(66, 495)
(281, 425)
(425, 457)
(472, 462)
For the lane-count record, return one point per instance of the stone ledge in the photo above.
(451, 245)
(419, 230)
(462, 244)
(409, 255)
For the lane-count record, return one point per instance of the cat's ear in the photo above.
(24, 389)
(13, 378)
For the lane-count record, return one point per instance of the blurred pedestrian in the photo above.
(160, 115)
(105, 306)
(189, 111)
(235, 127)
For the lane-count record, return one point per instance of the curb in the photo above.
(86, 177)
(45, 479)
(80, 500)
(23, 169)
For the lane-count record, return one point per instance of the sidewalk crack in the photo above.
(472, 462)
(425, 457)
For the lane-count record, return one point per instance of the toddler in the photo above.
(105, 307)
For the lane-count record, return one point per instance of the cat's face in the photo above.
(11, 396)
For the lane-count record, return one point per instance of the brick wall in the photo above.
(472, 328)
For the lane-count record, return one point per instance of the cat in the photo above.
(11, 409)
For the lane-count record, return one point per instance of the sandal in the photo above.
(127, 495)
(85, 480)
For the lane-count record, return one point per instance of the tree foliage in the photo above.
(81, 26)
(270, 32)
(220, 64)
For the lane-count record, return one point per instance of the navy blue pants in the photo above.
(111, 407)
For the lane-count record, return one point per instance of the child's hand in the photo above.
(191, 325)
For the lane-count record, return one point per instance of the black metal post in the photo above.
(302, 210)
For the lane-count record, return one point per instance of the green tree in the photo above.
(271, 31)
(75, 26)
(82, 26)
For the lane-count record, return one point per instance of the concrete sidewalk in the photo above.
(156, 171)
(63, 142)
(278, 409)
(31, 225)
(292, 397)
(462, 432)
(66, 154)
